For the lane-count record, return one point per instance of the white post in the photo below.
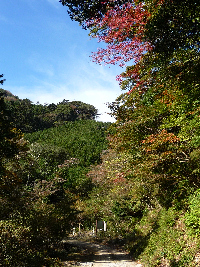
(105, 226)
(74, 231)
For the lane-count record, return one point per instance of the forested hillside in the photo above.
(43, 175)
(70, 150)
(29, 117)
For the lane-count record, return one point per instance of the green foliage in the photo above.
(192, 216)
(83, 140)
(35, 226)
(143, 184)
(47, 157)
(68, 151)
(75, 110)
(173, 25)
(166, 238)
(9, 136)
(37, 197)
(35, 215)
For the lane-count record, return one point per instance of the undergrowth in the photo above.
(163, 239)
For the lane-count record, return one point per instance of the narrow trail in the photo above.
(96, 255)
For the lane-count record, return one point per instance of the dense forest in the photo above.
(44, 175)
(141, 174)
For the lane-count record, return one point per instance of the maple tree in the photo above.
(82, 11)
(122, 28)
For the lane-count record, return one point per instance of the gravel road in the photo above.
(100, 256)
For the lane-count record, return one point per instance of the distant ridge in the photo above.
(8, 95)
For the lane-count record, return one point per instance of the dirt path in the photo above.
(96, 255)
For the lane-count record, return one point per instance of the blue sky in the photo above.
(45, 56)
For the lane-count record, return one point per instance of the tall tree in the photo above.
(158, 118)
(34, 214)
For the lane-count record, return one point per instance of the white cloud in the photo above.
(89, 93)
(81, 80)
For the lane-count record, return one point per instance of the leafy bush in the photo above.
(162, 240)
(192, 216)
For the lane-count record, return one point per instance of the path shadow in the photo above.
(81, 251)
(76, 252)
